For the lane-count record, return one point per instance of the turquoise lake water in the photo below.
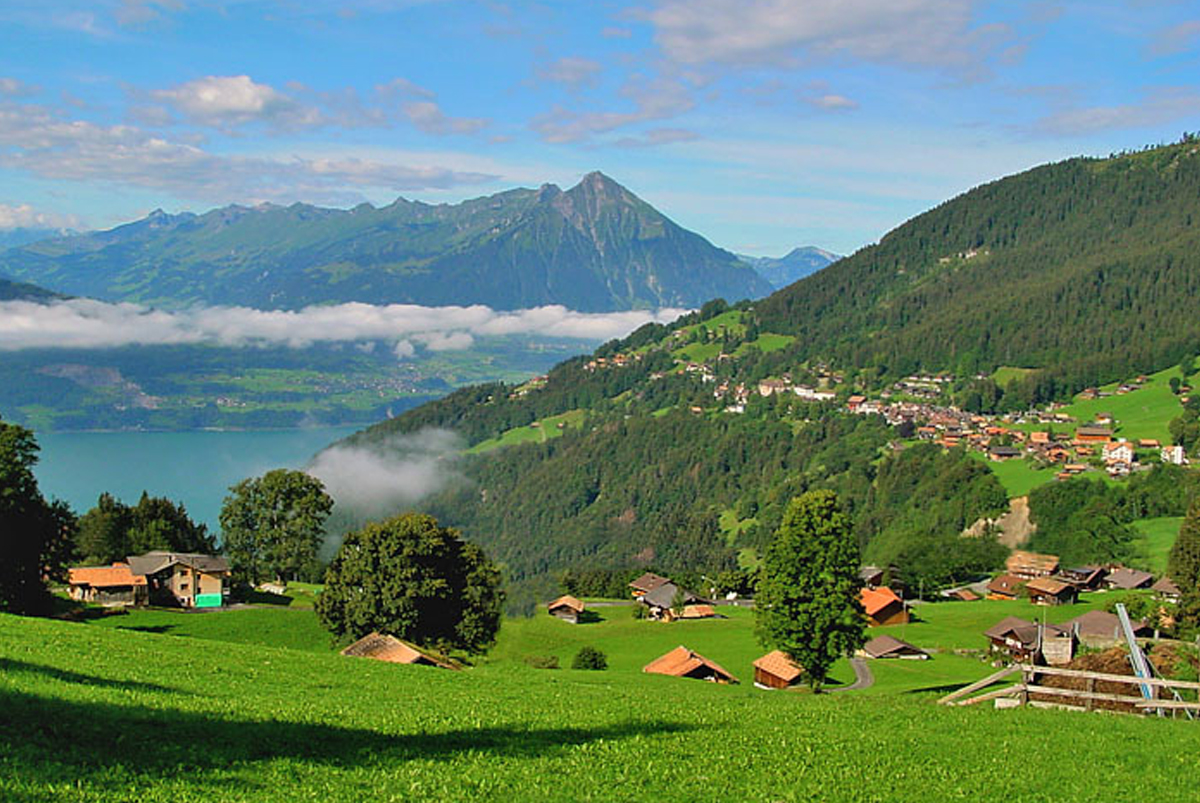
(195, 468)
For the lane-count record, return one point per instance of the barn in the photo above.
(566, 608)
(683, 663)
(382, 647)
(776, 670)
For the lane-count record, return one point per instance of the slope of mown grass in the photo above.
(1017, 476)
(273, 626)
(547, 428)
(1144, 413)
(1158, 536)
(94, 715)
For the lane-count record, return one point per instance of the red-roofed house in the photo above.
(108, 585)
(776, 671)
(683, 663)
(883, 607)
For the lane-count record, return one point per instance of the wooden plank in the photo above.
(1175, 704)
(1130, 679)
(979, 684)
(992, 695)
(1054, 691)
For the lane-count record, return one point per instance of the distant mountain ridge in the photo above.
(19, 291)
(802, 261)
(22, 235)
(596, 247)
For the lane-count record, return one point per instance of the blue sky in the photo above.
(762, 125)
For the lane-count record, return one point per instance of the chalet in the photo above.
(1028, 565)
(1118, 452)
(768, 387)
(1025, 641)
(1006, 586)
(926, 433)
(1175, 455)
(855, 402)
(186, 580)
(1085, 578)
(776, 670)
(1003, 453)
(1166, 590)
(891, 647)
(1128, 579)
(1039, 437)
(1103, 629)
(107, 585)
(662, 599)
(883, 607)
(1058, 454)
(383, 647)
(566, 608)
(646, 583)
(1149, 443)
(1093, 434)
(683, 663)
(1104, 419)
(870, 576)
(1049, 591)
(1071, 469)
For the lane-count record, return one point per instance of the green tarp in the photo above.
(208, 600)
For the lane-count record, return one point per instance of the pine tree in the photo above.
(807, 601)
(1184, 568)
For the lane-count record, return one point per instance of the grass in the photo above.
(1144, 413)
(1017, 476)
(546, 429)
(766, 343)
(1158, 536)
(271, 626)
(1007, 373)
(91, 714)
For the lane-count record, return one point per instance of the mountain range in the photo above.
(596, 247)
(793, 266)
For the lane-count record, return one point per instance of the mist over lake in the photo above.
(195, 468)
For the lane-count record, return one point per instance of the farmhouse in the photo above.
(683, 663)
(1103, 629)
(662, 599)
(566, 608)
(1049, 591)
(883, 607)
(1028, 565)
(1093, 434)
(891, 647)
(383, 647)
(181, 579)
(1002, 453)
(1124, 578)
(1174, 454)
(776, 670)
(1085, 578)
(107, 585)
(1025, 641)
(1006, 586)
(646, 583)
(1166, 590)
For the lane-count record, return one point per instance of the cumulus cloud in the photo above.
(85, 323)
(227, 101)
(831, 102)
(24, 216)
(658, 136)
(428, 116)
(371, 482)
(755, 32)
(571, 71)
(12, 87)
(656, 99)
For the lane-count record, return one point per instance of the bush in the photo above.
(638, 611)
(589, 658)
(542, 661)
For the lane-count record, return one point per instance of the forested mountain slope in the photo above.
(594, 247)
(19, 291)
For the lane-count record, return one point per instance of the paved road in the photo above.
(863, 679)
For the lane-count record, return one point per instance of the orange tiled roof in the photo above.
(105, 576)
(567, 601)
(698, 611)
(778, 664)
(681, 661)
(384, 647)
(875, 600)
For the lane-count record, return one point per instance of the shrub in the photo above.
(542, 661)
(639, 611)
(589, 658)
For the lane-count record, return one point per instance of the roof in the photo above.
(875, 600)
(1128, 578)
(1024, 631)
(1101, 624)
(1005, 584)
(882, 646)
(1032, 560)
(664, 596)
(1048, 585)
(779, 665)
(1166, 585)
(698, 611)
(114, 576)
(155, 562)
(681, 662)
(965, 594)
(648, 582)
(1006, 625)
(383, 647)
(566, 601)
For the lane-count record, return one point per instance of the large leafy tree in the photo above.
(807, 601)
(35, 536)
(412, 578)
(1184, 568)
(273, 525)
(113, 530)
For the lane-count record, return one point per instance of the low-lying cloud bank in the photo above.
(84, 323)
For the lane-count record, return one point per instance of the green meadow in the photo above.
(93, 713)
(1144, 413)
(1158, 536)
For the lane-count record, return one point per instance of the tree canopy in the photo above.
(113, 530)
(807, 601)
(1184, 568)
(273, 525)
(412, 578)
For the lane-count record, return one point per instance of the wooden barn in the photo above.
(1128, 579)
(107, 585)
(683, 663)
(776, 670)
(883, 607)
(698, 612)
(646, 583)
(1030, 642)
(382, 647)
(1166, 590)
(891, 647)
(1049, 591)
(1103, 629)
(1006, 586)
(566, 608)
(1028, 565)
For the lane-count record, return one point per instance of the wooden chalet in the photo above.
(646, 583)
(1166, 590)
(1085, 578)
(1029, 642)
(1028, 565)
(383, 647)
(883, 607)
(107, 585)
(1006, 586)
(661, 600)
(1050, 591)
(1002, 453)
(776, 670)
(183, 579)
(1103, 629)
(683, 663)
(1128, 579)
(870, 576)
(891, 647)
(962, 595)
(1093, 434)
(566, 608)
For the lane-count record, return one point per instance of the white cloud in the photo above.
(84, 323)
(140, 12)
(831, 102)
(12, 87)
(572, 71)
(1157, 108)
(428, 116)
(24, 216)
(656, 99)
(658, 136)
(225, 101)
(1178, 38)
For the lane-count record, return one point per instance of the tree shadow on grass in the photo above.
(49, 739)
(147, 628)
(13, 666)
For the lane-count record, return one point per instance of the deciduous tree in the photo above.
(807, 601)
(273, 525)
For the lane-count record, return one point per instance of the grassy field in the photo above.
(1017, 476)
(1144, 413)
(1007, 373)
(93, 714)
(546, 429)
(1158, 536)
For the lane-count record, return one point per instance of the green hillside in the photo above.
(93, 715)
(20, 291)
(594, 247)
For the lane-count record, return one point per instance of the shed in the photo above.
(962, 595)
(1166, 589)
(107, 585)
(883, 607)
(1124, 578)
(567, 608)
(1049, 591)
(776, 670)
(683, 663)
(1006, 586)
(698, 612)
(383, 647)
(891, 647)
